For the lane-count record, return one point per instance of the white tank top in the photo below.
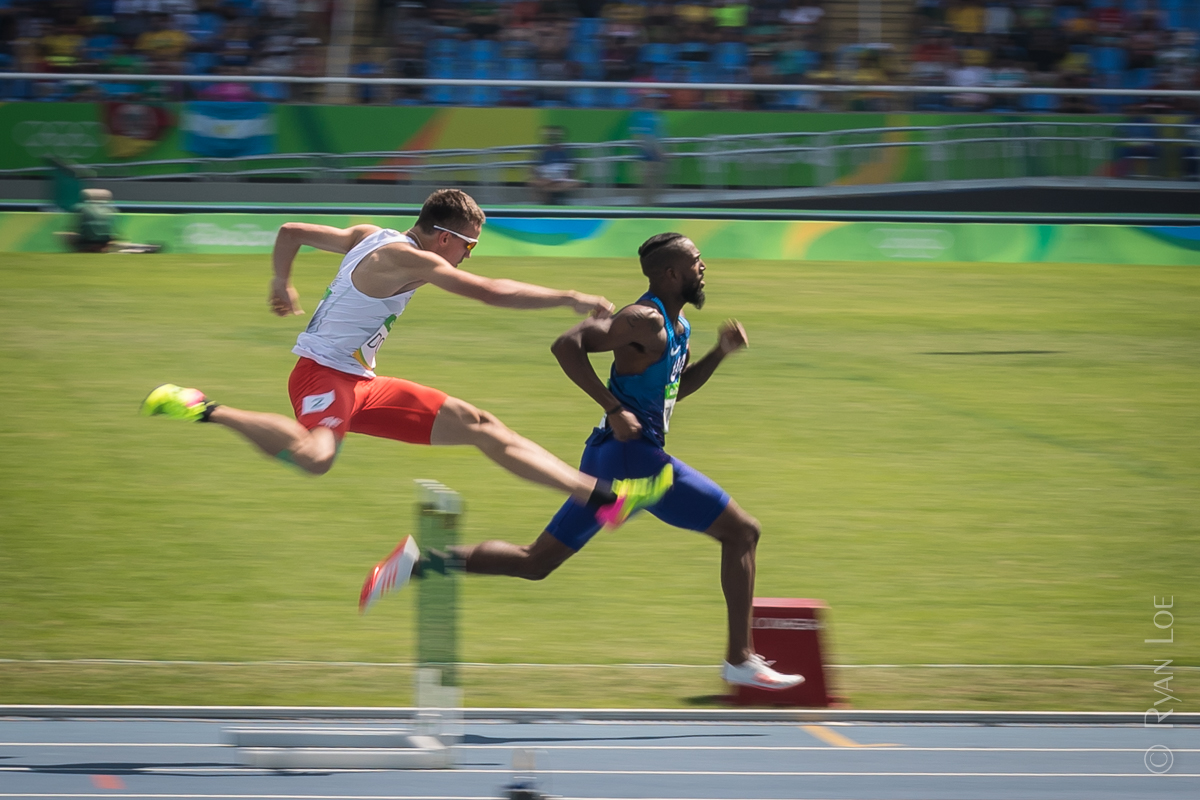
(349, 327)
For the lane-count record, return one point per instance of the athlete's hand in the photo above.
(593, 305)
(625, 425)
(284, 300)
(731, 336)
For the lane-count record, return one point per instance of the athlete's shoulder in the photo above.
(641, 322)
(399, 249)
(361, 233)
(642, 312)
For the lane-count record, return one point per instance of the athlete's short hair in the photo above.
(660, 251)
(449, 208)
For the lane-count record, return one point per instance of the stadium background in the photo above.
(976, 441)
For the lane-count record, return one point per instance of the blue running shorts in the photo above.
(694, 501)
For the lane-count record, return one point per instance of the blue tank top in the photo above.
(650, 394)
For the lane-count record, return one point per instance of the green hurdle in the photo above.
(439, 511)
(437, 722)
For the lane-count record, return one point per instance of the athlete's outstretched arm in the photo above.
(731, 336)
(284, 299)
(632, 328)
(512, 294)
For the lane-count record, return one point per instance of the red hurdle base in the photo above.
(788, 632)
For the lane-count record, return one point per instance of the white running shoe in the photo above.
(390, 574)
(756, 671)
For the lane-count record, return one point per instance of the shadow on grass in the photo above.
(709, 701)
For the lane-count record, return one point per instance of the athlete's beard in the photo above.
(694, 294)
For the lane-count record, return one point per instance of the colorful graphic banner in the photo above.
(228, 130)
(26, 232)
(79, 132)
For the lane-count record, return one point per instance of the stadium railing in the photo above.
(1001, 153)
(899, 91)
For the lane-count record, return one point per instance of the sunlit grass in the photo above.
(969, 463)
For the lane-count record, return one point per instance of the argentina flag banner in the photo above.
(223, 130)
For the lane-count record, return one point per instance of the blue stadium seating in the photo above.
(517, 69)
(117, 91)
(694, 71)
(1039, 103)
(585, 98)
(11, 90)
(520, 69)
(483, 95)
(587, 56)
(587, 29)
(201, 62)
(483, 50)
(731, 55)
(731, 59)
(273, 92)
(1108, 60)
(1139, 78)
(442, 50)
(1110, 104)
(620, 98)
(693, 51)
(657, 53)
(440, 68)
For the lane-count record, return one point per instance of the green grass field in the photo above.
(972, 464)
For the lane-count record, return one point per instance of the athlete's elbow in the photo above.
(285, 234)
(565, 345)
(290, 231)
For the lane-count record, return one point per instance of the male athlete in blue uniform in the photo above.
(650, 372)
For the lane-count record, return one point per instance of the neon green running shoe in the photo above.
(176, 402)
(635, 494)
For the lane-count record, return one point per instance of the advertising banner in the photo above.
(82, 133)
(227, 130)
(22, 232)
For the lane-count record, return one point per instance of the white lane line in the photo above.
(830, 749)
(112, 744)
(674, 748)
(235, 770)
(112, 795)
(259, 796)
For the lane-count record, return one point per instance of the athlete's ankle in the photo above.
(602, 495)
(209, 408)
(439, 561)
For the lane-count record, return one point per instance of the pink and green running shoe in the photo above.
(176, 402)
(635, 494)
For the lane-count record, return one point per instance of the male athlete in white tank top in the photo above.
(334, 389)
(349, 327)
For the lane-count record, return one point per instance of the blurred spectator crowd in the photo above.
(967, 44)
(160, 37)
(1103, 44)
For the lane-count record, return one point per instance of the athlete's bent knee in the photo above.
(753, 531)
(745, 531)
(315, 467)
(459, 422)
(539, 564)
(538, 572)
(314, 453)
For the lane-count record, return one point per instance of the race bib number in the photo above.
(669, 395)
(365, 355)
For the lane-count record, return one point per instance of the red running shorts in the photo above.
(389, 408)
